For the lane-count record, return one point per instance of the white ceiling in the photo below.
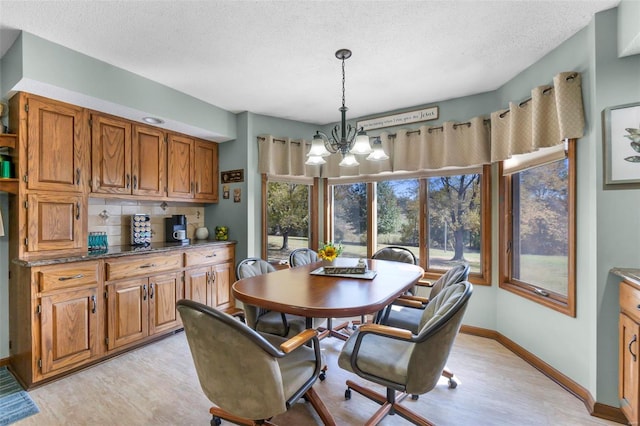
(277, 57)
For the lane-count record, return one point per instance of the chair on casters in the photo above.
(261, 319)
(250, 376)
(305, 256)
(402, 361)
(397, 254)
(264, 320)
(409, 316)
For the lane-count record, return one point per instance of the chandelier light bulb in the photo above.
(315, 160)
(378, 153)
(361, 145)
(349, 160)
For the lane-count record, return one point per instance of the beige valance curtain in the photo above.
(284, 157)
(551, 115)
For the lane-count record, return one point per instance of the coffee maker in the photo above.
(175, 229)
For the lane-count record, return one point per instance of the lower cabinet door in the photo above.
(68, 325)
(222, 277)
(127, 312)
(198, 286)
(164, 293)
(629, 380)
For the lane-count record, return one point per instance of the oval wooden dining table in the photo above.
(298, 291)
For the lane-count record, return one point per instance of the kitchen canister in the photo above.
(202, 233)
(222, 233)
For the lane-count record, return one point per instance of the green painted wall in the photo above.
(583, 348)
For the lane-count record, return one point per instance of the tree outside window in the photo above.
(287, 219)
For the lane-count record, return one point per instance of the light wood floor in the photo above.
(157, 385)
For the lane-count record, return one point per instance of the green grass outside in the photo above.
(548, 272)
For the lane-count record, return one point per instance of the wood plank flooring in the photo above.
(157, 385)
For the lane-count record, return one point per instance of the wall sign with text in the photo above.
(232, 176)
(399, 119)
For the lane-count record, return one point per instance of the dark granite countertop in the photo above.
(119, 251)
(630, 274)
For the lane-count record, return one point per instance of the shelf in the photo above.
(9, 185)
(8, 140)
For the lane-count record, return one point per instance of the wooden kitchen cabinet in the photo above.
(209, 275)
(141, 302)
(180, 162)
(57, 145)
(206, 170)
(56, 221)
(629, 371)
(149, 165)
(56, 319)
(110, 155)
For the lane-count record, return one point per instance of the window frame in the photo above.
(555, 301)
(313, 210)
(481, 278)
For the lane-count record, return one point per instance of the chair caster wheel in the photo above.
(453, 383)
(415, 397)
(322, 376)
(347, 394)
(215, 421)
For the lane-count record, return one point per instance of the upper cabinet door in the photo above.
(206, 170)
(111, 155)
(181, 170)
(149, 161)
(57, 146)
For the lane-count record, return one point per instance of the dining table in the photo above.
(308, 291)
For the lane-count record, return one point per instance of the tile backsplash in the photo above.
(114, 217)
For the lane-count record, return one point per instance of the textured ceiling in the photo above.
(277, 57)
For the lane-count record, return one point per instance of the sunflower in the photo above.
(329, 251)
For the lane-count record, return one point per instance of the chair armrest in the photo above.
(385, 330)
(412, 301)
(298, 340)
(424, 283)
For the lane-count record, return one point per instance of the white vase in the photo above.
(202, 233)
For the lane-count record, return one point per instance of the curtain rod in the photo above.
(455, 126)
(279, 140)
(544, 92)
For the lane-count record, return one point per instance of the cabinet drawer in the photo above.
(145, 265)
(66, 276)
(630, 301)
(209, 255)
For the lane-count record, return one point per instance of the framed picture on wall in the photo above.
(621, 127)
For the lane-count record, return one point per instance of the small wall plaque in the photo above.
(232, 176)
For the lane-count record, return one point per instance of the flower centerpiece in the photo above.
(329, 251)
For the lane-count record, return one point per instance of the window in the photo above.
(454, 221)
(538, 231)
(443, 220)
(286, 213)
(349, 224)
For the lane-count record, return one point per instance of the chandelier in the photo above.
(345, 138)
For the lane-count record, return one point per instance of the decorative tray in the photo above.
(367, 275)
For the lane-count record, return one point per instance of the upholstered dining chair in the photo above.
(302, 256)
(305, 256)
(250, 376)
(404, 362)
(397, 254)
(410, 315)
(261, 319)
